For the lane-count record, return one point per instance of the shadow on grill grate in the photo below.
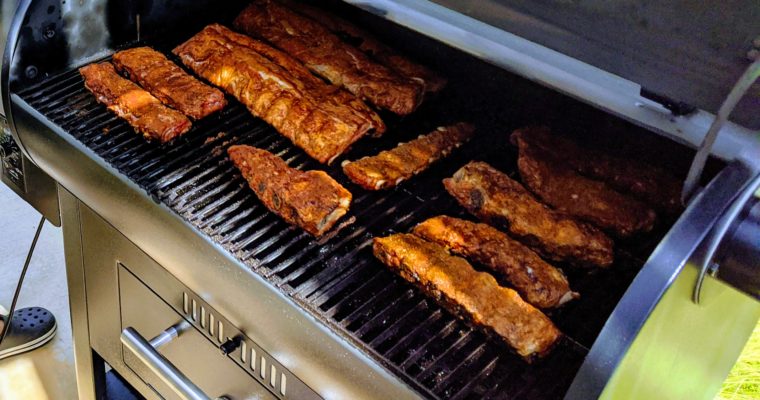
(339, 281)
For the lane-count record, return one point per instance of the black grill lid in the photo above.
(688, 51)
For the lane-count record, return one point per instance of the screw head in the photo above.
(31, 72)
(712, 270)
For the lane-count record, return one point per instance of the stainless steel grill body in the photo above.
(178, 222)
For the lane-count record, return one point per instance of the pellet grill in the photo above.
(187, 287)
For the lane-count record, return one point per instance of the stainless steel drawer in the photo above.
(192, 353)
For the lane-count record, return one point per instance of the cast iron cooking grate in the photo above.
(337, 279)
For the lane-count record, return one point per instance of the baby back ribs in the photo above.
(311, 199)
(500, 201)
(473, 295)
(538, 282)
(390, 167)
(342, 102)
(139, 108)
(328, 56)
(319, 119)
(168, 82)
(367, 43)
(646, 182)
(554, 182)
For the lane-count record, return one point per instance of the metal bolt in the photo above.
(31, 72)
(712, 270)
(49, 33)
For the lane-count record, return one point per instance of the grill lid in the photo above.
(686, 51)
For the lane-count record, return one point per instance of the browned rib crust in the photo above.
(326, 55)
(472, 294)
(139, 108)
(500, 201)
(538, 282)
(316, 117)
(343, 103)
(646, 182)
(367, 43)
(557, 184)
(391, 167)
(168, 82)
(311, 199)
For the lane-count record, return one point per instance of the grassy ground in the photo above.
(743, 383)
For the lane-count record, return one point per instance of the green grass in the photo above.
(743, 382)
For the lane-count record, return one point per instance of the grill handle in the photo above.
(158, 364)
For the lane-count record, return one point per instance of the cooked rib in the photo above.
(391, 167)
(328, 56)
(345, 103)
(316, 117)
(646, 182)
(538, 282)
(558, 185)
(367, 43)
(472, 294)
(500, 201)
(143, 111)
(168, 82)
(311, 199)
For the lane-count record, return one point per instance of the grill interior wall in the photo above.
(338, 280)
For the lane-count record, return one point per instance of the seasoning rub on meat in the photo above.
(558, 185)
(472, 294)
(325, 54)
(367, 43)
(646, 182)
(391, 167)
(168, 82)
(130, 102)
(500, 201)
(316, 117)
(311, 199)
(538, 282)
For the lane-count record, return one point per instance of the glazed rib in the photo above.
(538, 282)
(367, 43)
(311, 199)
(139, 108)
(558, 185)
(344, 103)
(168, 82)
(328, 56)
(646, 182)
(472, 294)
(314, 116)
(502, 202)
(391, 167)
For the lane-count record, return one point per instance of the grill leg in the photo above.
(99, 376)
(72, 244)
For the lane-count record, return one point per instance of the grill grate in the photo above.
(339, 281)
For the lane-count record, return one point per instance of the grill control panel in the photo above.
(11, 160)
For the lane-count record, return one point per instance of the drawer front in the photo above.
(192, 353)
